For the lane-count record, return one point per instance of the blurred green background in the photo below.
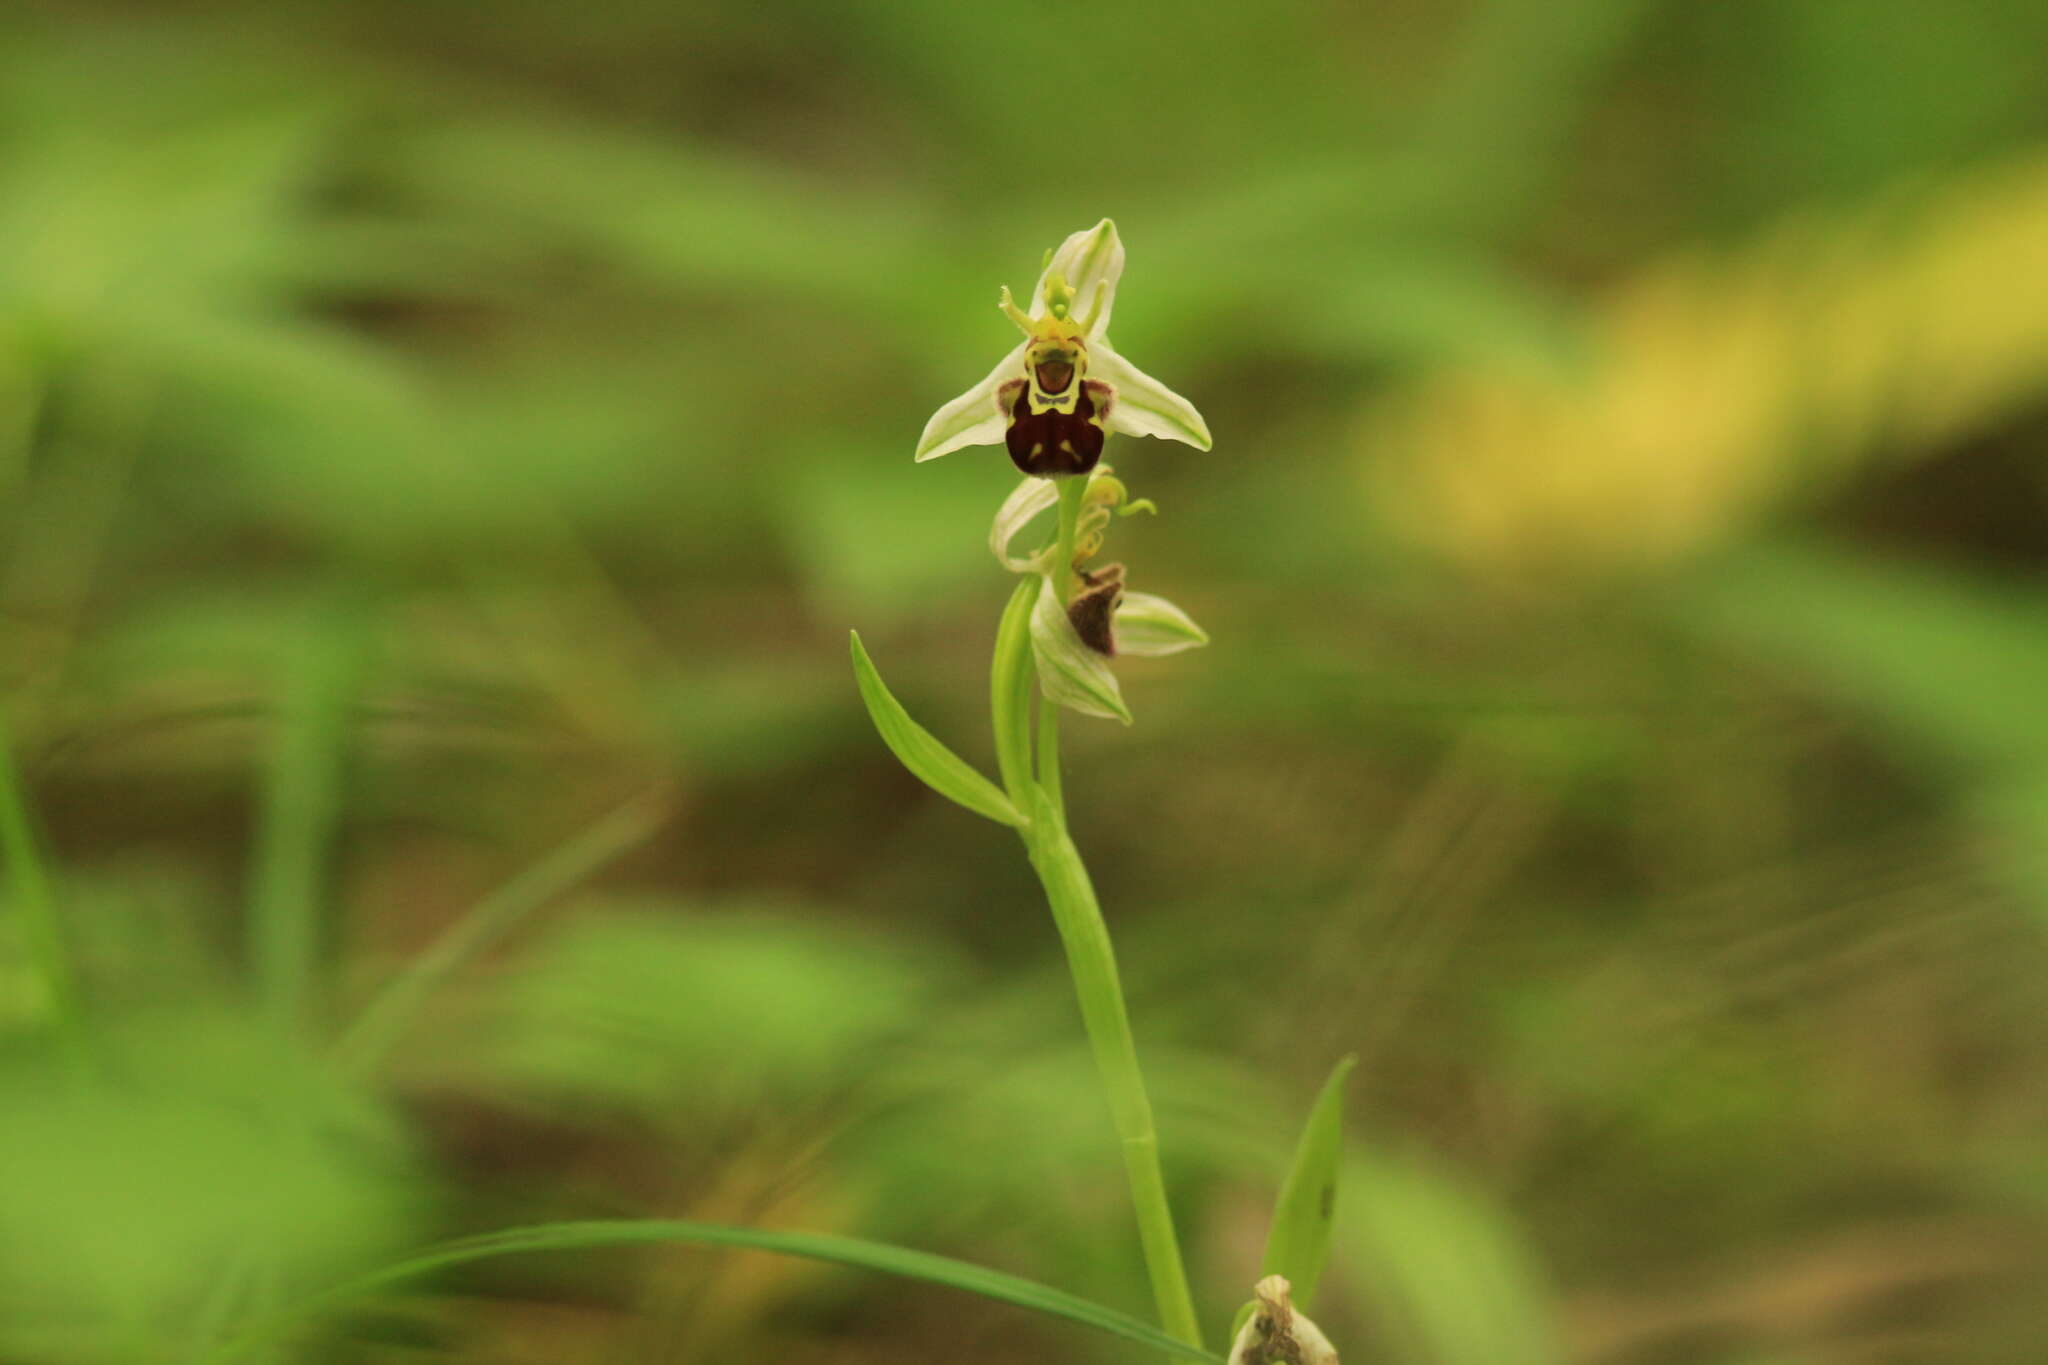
(444, 447)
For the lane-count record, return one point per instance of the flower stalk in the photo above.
(1072, 492)
(1077, 915)
(1091, 961)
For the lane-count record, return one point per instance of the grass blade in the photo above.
(384, 1021)
(938, 767)
(1299, 1240)
(32, 898)
(848, 1251)
(300, 804)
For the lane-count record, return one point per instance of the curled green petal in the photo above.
(938, 767)
(1032, 497)
(1069, 673)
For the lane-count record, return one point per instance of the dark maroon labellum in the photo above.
(1051, 444)
(1094, 607)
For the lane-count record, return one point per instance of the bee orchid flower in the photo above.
(1074, 641)
(1055, 397)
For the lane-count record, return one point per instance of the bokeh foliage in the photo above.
(427, 427)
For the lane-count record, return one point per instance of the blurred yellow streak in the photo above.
(1718, 387)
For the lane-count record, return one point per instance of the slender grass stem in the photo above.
(384, 1021)
(300, 806)
(848, 1251)
(35, 903)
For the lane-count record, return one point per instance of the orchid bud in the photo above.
(1277, 1334)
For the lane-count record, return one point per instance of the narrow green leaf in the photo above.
(938, 767)
(849, 1251)
(1307, 1207)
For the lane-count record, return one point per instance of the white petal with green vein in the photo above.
(1150, 625)
(975, 418)
(1086, 260)
(1069, 672)
(1144, 406)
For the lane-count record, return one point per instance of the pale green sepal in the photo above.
(1069, 672)
(975, 418)
(938, 767)
(1088, 261)
(1143, 406)
(1306, 1210)
(1149, 625)
(1019, 510)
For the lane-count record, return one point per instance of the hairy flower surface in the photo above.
(1054, 398)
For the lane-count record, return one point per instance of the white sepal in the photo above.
(1143, 406)
(1148, 624)
(1086, 260)
(976, 417)
(1070, 673)
(1277, 1333)
(1019, 510)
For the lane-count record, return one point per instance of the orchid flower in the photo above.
(1054, 398)
(1075, 642)
(1052, 401)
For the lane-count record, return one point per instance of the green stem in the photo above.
(1092, 962)
(1090, 958)
(28, 887)
(1049, 756)
(1072, 491)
